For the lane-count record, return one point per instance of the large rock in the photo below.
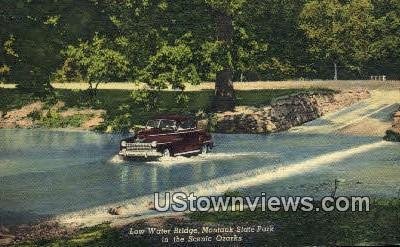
(117, 210)
(284, 112)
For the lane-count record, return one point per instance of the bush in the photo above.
(392, 136)
(146, 99)
(55, 120)
(121, 123)
(212, 123)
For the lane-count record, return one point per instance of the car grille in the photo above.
(138, 146)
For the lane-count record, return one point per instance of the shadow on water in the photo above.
(11, 218)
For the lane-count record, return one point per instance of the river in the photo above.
(77, 176)
(47, 173)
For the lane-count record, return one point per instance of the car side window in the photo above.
(167, 125)
(187, 124)
(152, 124)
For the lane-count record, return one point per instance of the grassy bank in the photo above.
(122, 112)
(378, 226)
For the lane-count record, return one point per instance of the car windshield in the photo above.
(152, 124)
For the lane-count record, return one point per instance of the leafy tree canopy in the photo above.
(95, 62)
(166, 43)
(340, 31)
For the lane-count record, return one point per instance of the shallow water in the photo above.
(52, 172)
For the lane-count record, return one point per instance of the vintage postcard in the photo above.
(199, 123)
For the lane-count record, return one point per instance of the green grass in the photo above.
(11, 99)
(113, 99)
(55, 120)
(101, 235)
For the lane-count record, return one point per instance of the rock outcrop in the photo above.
(393, 134)
(283, 113)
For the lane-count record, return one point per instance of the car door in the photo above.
(170, 136)
(190, 136)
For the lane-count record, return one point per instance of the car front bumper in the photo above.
(141, 153)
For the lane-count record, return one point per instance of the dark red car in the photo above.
(167, 136)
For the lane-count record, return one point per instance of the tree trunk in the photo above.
(224, 98)
(335, 76)
(92, 91)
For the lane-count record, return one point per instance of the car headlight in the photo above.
(123, 144)
(154, 144)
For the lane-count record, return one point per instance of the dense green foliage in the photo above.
(33, 35)
(93, 62)
(167, 43)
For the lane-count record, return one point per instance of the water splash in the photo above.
(181, 160)
(116, 159)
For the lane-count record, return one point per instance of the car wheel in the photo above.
(166, 153)
(204, 149)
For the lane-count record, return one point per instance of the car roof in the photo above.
(173, 117)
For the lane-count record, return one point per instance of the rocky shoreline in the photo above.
(283, 113)
(40, 114)
(393, 134)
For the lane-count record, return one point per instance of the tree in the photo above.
(172, 65)
(340, 31)
(29, 45)
(385, 45)
(164, 40)
(223, 12)
(95, 62)
(270, 44)
(34, 32)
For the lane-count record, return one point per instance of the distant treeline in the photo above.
(169, 42)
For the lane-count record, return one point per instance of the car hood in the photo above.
(143, 135)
